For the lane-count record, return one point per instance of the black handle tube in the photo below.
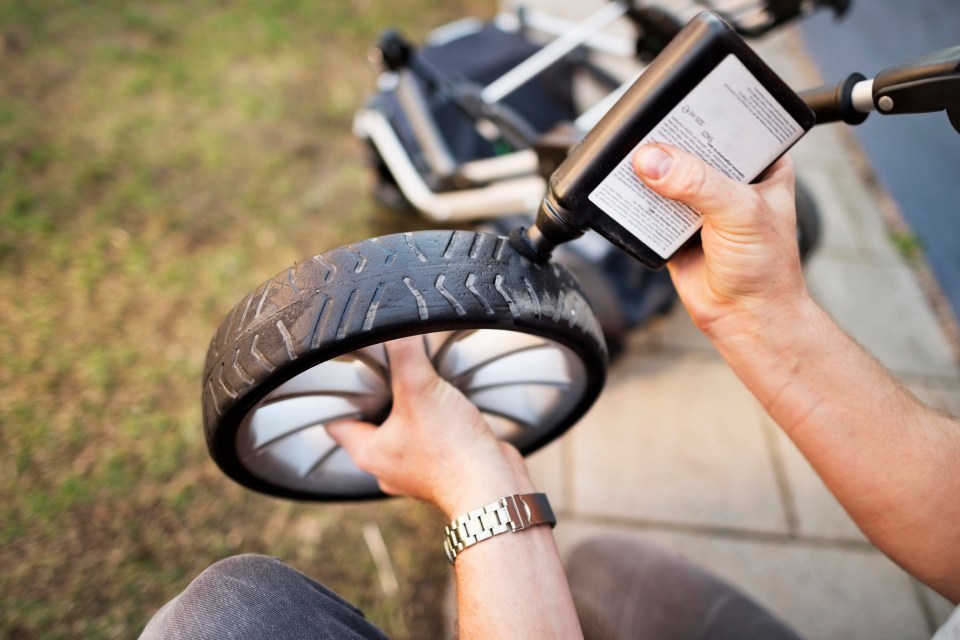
(834, 102)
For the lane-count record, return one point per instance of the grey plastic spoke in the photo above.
(339, 463)
(375, 357)
(529, 406)
(299, 454)
(320, 461)
(336, 377)
(539, 365)
(481, 347)
(449, 339)
(523, 384)
(504, 428)
(281, 419)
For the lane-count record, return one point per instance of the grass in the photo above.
(157, 162)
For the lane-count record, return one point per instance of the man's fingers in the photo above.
(410, 367)
(354, 436)
(679, 176)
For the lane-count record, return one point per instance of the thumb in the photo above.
(679, 176)
(355, 437)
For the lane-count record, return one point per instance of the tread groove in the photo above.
(498, 283)
(558, 311)
(372, 309)
(475, 247)
(223, 383)
(421, 301)
(533, 297)
(246, 309)
(471, 279)
(412, 243)
(448, 252)
(262, 359)
(347, 314)
(223, 331)
(315, 338)
(361, 259)
(213, 398)
(287, 339)
(331, 268)
(263, 298)
(449, 296)
(575, 316)
(498, 249)
(247, 379)
(291, 278)
(391, 254)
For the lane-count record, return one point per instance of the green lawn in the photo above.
(157, 162)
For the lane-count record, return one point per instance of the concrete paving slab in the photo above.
(938, 608)
(851, 222)
(939, 394)
(677, 331)
(822, 591)
(882, 307)
(677, 439)
(549, 472)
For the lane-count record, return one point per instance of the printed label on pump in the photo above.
(730, 121)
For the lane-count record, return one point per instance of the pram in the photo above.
(468, 127)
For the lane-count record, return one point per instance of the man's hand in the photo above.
(435, 445)
(749, 261)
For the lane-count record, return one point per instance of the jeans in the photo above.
(624, 589)
(621, 590)
(258, 597)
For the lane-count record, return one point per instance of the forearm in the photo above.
(513, 584)
(892, 462)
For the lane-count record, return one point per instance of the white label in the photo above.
(730, 121)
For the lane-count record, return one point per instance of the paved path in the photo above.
(677, 452)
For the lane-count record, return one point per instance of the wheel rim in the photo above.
(525, 385)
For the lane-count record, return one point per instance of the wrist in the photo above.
(481, 484)
(765, 323)
(776, 351)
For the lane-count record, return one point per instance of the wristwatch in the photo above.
(510, 513)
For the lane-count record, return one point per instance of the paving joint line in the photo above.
(925, 609)
(780, 475)
(714, 531)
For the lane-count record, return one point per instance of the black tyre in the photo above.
(305, 348)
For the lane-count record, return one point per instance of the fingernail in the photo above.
(653, 162)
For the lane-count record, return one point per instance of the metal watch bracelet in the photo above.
(510, 513)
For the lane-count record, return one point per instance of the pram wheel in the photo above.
(306, 348)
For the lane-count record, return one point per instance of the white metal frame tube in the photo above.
(542, 59)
